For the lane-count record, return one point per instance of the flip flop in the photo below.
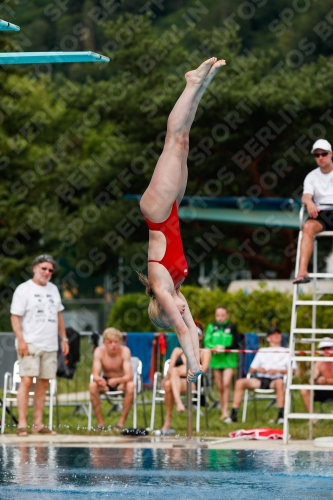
(195, 376)
(99, 428)
(117, 428)
(45, 430)
(22, 432)
(301, 280)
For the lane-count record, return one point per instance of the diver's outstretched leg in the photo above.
(203, 87)
(207, 80)
(178, 118)
(165, 183)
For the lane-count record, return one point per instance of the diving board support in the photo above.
(6, 26)
(314, 334)
(51, 57)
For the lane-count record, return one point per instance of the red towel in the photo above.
(162, 343)
(153, 361)
(263, 433)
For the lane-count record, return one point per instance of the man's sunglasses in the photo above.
(317, 155)
(47, 269)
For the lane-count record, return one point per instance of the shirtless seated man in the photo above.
(114, 360)
(323, 375)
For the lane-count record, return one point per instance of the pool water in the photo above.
(51, 473)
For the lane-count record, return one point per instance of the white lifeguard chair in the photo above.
(307, 335)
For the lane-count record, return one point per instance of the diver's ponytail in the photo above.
(144, 280)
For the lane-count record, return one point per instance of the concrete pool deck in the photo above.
(163, 442)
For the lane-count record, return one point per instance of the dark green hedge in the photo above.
(251, 312)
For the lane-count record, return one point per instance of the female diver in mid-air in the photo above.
(167, 267)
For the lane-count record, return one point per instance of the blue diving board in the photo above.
(6, 26)
(242, 203)
(269, 218)
(50, 57)
(270, 212)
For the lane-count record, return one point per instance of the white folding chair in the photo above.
(259, 395)
(159, 393)
(116, 397)
(11, 383)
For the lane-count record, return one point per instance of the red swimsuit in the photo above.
(174, 259)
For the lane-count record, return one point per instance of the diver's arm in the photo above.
(189, 321)
(183, 333)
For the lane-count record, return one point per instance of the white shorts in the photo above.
(40, 364)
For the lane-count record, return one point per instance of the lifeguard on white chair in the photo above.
(318, 200)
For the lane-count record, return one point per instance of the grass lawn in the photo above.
(77, 424)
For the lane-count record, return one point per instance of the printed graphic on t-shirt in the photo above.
(43, 310)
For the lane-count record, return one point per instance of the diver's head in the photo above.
(157, 316)
(155, 312)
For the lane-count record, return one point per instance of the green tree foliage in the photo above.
(251, 312)
(72, 149)
(130, 313)
(254, 312)
(77, 25)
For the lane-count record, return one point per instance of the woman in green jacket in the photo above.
(221, 334)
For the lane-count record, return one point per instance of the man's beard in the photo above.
(43, 280)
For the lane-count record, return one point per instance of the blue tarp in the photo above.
(171, 342)
(141, 345)
(285, 340)
(252, 343)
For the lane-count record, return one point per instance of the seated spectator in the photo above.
(269, 365)
(318, 199)
(114, 360)
(323, 375)
(221, 334)
(175, 382)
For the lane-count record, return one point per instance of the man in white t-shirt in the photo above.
(270, 365)
(318, 199)
(36, 321)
